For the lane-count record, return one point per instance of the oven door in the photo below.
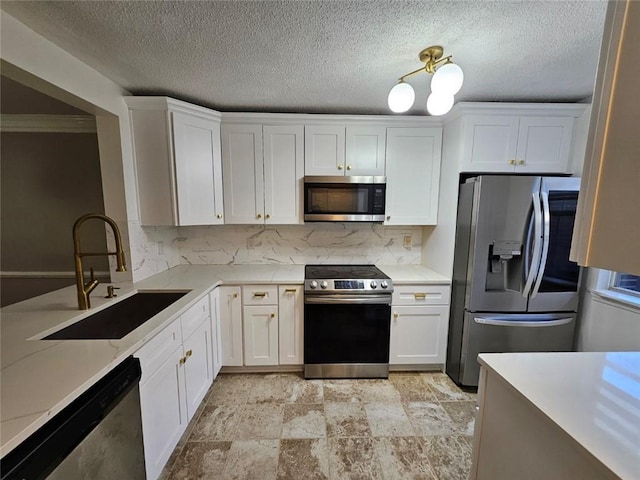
(347, 336)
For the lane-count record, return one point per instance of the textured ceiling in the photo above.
(326, 56)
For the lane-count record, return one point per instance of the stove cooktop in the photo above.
(343, 272)
(322, 279)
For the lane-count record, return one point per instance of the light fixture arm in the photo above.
(432, 58)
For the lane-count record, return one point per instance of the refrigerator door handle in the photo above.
(537, 245)
(545, 242)
(497, 321)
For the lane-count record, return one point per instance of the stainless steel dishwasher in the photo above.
(98, 436)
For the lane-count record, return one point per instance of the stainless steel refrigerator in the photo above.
(514, 288)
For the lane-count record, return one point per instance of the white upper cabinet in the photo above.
(514, 138)
(324, 149)
(263, 168)
(413, 175)
(178, 162)
(351, 150)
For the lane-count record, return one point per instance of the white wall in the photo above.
(36, 62)
(606, 324)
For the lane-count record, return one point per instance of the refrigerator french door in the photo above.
(514, 288)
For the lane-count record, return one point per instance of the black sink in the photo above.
(119, 319)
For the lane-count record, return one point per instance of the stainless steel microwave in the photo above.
(344, 199)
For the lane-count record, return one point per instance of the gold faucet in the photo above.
(85, 289)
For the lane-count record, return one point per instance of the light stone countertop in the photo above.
(593, 396)
(39, 378)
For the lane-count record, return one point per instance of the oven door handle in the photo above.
(346, 299)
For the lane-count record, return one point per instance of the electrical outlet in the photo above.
(407, 241)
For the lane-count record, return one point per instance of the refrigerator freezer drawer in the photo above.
(499, 333)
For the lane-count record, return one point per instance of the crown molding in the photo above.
(47, 123)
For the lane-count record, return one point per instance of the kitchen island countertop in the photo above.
(594, 397)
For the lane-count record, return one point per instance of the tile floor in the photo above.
(280, 426)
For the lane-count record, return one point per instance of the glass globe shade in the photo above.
(401, 97)
(447, 80)
(438, 104)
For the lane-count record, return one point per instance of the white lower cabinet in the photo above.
(216, 332)
(260, 325)
(231, 326)
(164, 413)
(419, 321)
(176, 375)
(290, 324)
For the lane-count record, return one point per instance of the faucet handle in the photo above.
(110, 291)
(91, 274)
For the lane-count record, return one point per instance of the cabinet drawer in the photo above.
(421, 295)
(260, 295)
(156, 351)
(193, 317)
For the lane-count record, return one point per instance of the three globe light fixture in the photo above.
(446, 82)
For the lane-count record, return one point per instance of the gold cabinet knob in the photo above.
(395, 314)
(188, 353)
(348, 167)
(267, 216)
(235, 295)
(388, 217)
(259, 215)
(273, 315)
(219, 215)
(520, 162)
(340, 167)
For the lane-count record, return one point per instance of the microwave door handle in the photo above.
(537, 245)
(545, 242)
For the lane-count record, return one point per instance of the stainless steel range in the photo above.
(347, 317)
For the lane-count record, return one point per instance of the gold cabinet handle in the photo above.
(259, 215)
(511, 162)
(290, 290)
(395, 314)
(340, 167)
(188, 353)
(219, 215)
(267, 216)
(182, 360)
(348, 167)
(260, 294)
(520, 162)
(420, 296)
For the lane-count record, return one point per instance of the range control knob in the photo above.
(384, 284)
(313, 284)
(373, 284)
(324, 284)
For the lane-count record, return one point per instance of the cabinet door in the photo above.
(197, 366)
(290, 324)
(243, 178)
(216, 332)
(544, 144)
(365, 150)
(260, 324)
(490, 143)
(418, 334)
(231, 326)
(283, 173)
(164, 413)
(324, 149)
(413, 175)
(198, 169)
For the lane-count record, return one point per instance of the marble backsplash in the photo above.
(350, 243)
